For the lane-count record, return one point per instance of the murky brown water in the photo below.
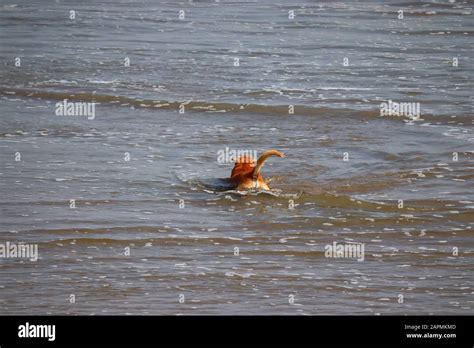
(168, 203)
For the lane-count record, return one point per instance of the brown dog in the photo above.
(246, 174)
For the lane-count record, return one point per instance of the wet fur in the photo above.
(246, 174)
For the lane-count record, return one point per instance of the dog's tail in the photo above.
(263, 158)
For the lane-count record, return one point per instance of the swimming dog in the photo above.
(246, 174)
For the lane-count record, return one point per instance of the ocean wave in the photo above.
(209, 106)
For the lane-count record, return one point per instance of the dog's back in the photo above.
(246, 174)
